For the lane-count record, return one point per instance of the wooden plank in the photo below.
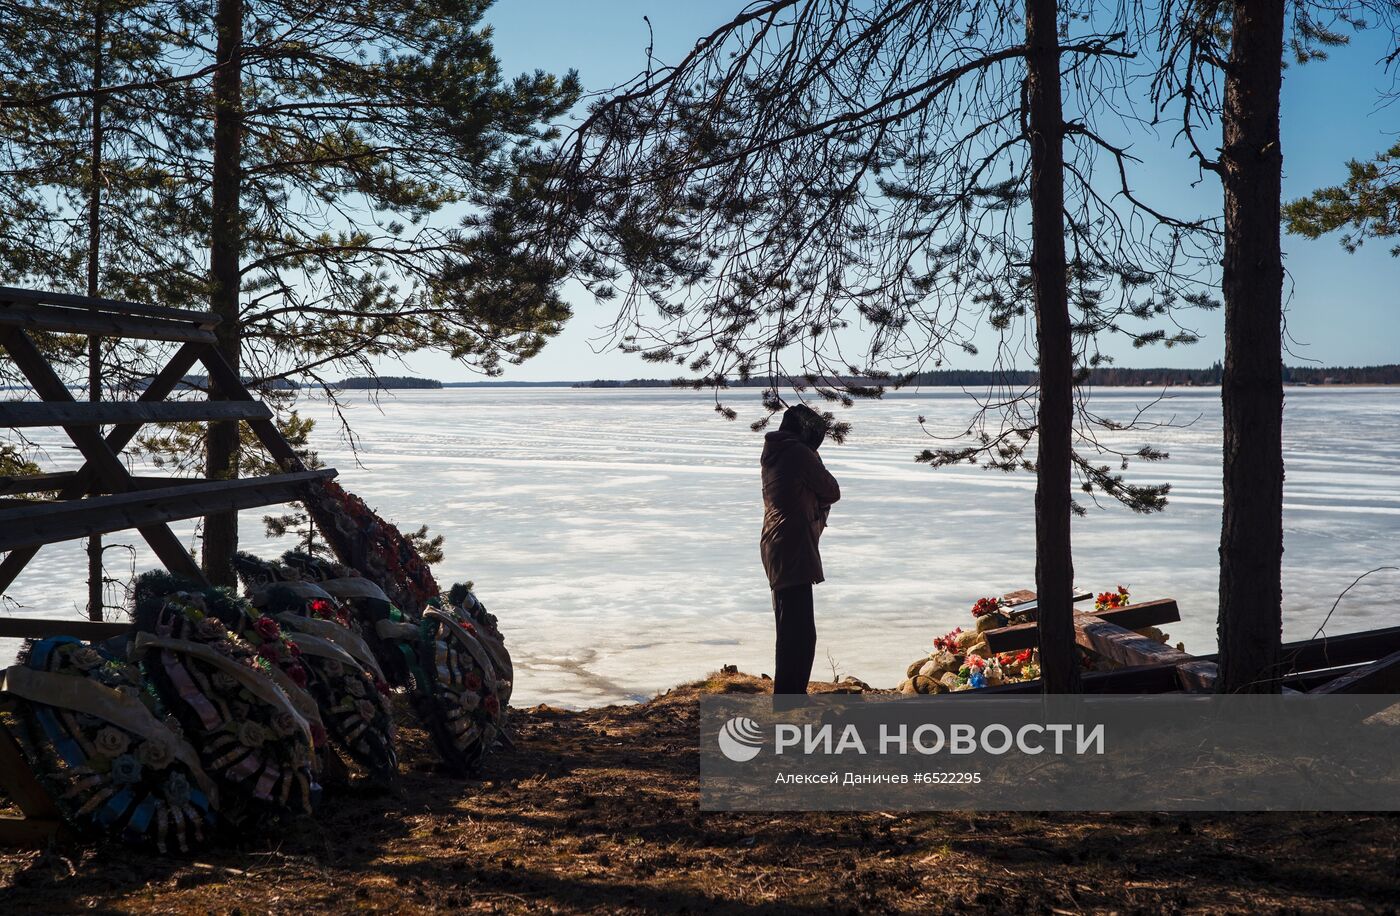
(49, 523)
(1131, 617)
(97, 324)
(117, 439)
(44, 627)
(99, 304)
(19, 782)
(1125, 647)
(35, 483)
(43, 483)
(1335, 651)
(84, 413)
(27, 832)
(1380, 676)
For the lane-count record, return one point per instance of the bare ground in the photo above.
(596, 811)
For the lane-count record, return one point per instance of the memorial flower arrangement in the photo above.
(460, 700)
(1107, 601)
(99, 742)
(389, 633)
(350, 691)
(235, 691)
(469, 608)
(373, 546)
(985, 606)
(961, 660)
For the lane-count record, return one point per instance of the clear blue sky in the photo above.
(1344, 309)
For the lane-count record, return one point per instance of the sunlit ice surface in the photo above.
(615, 531)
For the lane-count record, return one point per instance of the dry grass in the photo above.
(596, 811)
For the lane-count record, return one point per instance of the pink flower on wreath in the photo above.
(267, 628)
(975, 661)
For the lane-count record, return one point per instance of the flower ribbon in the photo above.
(474, 648)
(268, 690)
(347, 641)
(353, 587)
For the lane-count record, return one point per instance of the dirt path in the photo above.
(596, 811)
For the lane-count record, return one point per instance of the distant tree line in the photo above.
(387, 381)
(1110, 376)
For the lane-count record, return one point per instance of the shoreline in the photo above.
(597, 811)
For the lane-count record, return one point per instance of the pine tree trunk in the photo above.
(1251, 537)
(1054, 568)
(221, 530)
(99, 27)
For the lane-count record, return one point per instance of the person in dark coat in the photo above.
(798, 492)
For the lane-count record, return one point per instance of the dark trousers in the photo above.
(797, 638)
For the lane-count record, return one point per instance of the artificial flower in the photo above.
(126, 769)
(111, 741)
(155, 754)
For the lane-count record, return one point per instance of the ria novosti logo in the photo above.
(740, 739)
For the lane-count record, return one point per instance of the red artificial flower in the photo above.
(985, 606)
(492, 704)
(267, 628)
(320, 607)
(298, 674)
(473, 681)
(975, 661)
(270, 651)
(294, 649)
(1023, 657)
(381, 686)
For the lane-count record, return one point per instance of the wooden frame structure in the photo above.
(103, 496)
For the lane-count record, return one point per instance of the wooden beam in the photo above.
(146, 509)
(1335, 651)
(43, 483)
(44, 627)
(17, 779)
(84, 413)
(96, 324)
(28, 832)
(35, 483)
(99, 304)
(1380, 676)
(1131, 617)
(1128, 648)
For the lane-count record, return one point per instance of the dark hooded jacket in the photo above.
(797, 491)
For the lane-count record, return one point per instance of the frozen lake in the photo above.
(615, 532)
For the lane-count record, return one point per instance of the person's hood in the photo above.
(776, 444)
